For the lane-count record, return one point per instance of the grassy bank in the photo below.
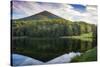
(85, 37)
(90, 55)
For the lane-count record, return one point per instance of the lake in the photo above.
(46, 49)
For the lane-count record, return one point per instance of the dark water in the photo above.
(47, 49)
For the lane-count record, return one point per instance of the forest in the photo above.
(51, 28)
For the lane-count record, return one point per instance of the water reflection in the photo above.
(20, 60)
(47, 49)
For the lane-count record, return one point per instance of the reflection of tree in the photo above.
(40, 48)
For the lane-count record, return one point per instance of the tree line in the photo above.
(51, 28)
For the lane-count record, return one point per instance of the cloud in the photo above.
(61, 9)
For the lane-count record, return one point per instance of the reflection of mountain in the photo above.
(41, 16)
(24, 60)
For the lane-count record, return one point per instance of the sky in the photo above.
(73, 12)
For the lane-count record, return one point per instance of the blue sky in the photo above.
(74, 12)
(79, 7)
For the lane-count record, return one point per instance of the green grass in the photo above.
(84, 37)
(90, 55)
(87, 35)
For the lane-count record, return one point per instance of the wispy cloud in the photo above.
(74, 12)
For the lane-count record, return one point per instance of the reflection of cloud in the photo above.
(20, 60)
(66, 58)
(64, 10)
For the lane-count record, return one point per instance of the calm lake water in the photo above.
(21, 60)
(45, 49)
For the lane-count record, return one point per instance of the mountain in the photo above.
(41, 16)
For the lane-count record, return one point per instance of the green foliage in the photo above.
(90, 55)
(50, 28)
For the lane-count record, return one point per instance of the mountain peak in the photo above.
(45, 11)
(42, 16)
